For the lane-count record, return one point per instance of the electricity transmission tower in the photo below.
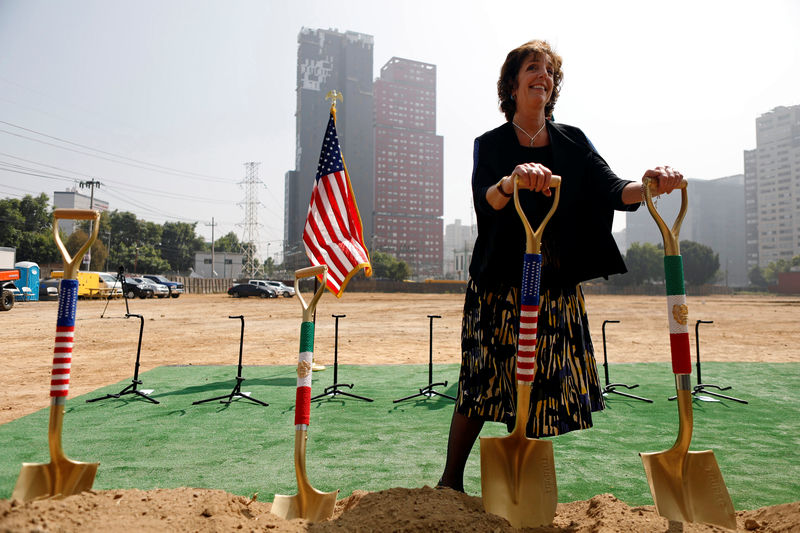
(252, 267)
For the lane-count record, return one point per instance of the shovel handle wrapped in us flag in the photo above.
(67, 301)
(528, 317)
(65, 334)
(531, 281)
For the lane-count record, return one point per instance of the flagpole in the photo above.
(332, 95)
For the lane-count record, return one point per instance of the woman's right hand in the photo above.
(532, 176)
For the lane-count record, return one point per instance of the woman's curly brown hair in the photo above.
(510, 69)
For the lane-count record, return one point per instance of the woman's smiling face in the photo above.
(534, 83)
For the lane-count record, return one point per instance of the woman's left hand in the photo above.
(668, 179)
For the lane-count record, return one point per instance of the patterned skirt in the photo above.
(566, 387)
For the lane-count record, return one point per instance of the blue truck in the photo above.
(176, 288)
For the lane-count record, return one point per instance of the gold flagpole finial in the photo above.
(333, 96)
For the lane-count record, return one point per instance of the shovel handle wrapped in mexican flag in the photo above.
(678, 315)
(308, 503)
(302, 410)
(61, 476)
(687, 486)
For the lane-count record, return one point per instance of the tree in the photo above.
(99, 250)
(124, 229)
(756, 277)
(228, 243)
(27, 225)
(140, 258)
(645, 263)
(389, 267)
(269, 267)
(773, 269)
(700, 263)
(179, 243)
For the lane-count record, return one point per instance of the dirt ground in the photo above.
(377, 329)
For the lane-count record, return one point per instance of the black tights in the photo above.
(463, 433)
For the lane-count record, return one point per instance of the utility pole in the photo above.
(108, 254)
(213, 272)
(87, 259)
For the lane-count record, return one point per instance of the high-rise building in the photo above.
(329, 60)
(409, 167)
(715, 217)
(772, 178)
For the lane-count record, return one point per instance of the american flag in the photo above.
(332, 235)
(65, 335)
(529, 317)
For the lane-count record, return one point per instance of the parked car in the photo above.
(175, 287)
(280, 288)
(134, 288)
(48, 289)
(159, 290)
(109, 281)
(247, 289)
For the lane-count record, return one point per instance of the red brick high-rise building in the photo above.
(409, 167)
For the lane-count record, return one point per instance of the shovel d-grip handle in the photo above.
(533, 239)
(71, 264)
(677, 310)
(302, 408)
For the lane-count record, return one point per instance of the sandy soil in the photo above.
(377, 329)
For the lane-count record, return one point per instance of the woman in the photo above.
(577, 246)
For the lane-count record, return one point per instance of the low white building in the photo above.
(72, 199)
(458, 243)
(226, 264)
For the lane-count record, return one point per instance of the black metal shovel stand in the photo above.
(237, 389)
(333, 390)
(135, 382)
(427, 390)
(701, 387)
(611, 387)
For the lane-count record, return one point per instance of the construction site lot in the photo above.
(377, 329)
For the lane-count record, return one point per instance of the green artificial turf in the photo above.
(245, 448)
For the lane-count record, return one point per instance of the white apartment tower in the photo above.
(772, 188)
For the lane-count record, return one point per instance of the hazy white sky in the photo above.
(201, 87)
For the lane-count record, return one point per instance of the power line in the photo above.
(50, 175)
(187, 173)
(218, 180)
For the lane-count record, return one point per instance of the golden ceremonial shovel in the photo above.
(518, 475)
(308, 503)
(686, 486)
(61, 476)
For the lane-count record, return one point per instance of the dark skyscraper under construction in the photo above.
(328, 60)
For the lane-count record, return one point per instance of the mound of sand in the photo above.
(398, 509)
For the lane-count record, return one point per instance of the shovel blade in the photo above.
(55, 479)
(518, 480)
(312, 505)
(689, 489)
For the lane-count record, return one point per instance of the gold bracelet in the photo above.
(499, 187)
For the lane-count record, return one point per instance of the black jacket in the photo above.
(577, 243)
